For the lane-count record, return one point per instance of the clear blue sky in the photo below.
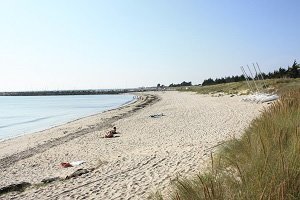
(62, 44)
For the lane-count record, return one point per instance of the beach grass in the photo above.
(263, 164)
(270, 85)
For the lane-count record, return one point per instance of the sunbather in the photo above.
(111, 133)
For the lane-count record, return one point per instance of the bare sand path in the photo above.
(149, 153)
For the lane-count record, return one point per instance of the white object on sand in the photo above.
(76, 163)
(269, 98)
(261, 97)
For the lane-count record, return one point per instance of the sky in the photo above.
(75, 44)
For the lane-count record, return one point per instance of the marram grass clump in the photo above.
(263, 164)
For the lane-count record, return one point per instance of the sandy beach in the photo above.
(147, 154)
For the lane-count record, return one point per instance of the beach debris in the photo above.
(51, 179)
(78, 172)
(16, 187)
(65, 164)
(72, 164)
(157, 115)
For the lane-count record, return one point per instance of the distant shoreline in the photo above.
(78, 92)
(63, 92)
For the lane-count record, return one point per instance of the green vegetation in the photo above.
(271, 85)
(290, 72)
(281, 73)
(181, 84)
(263, 164)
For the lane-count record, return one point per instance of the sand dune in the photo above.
(147, 155)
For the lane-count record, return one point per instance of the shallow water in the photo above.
(27, 114)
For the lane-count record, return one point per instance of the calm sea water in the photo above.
(27, 114)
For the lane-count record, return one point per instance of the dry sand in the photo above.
(147, 155)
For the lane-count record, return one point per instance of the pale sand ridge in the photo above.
(149, 153)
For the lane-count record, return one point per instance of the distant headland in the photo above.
(62, 92)
(77, 92)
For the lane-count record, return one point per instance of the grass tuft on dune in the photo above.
(263, 164)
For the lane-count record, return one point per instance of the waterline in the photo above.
(23, 114)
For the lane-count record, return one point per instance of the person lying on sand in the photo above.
(111, 133)
(157, 115)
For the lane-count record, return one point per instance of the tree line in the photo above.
(290, 72)
(181, 84)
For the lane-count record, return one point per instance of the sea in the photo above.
(27, 114)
